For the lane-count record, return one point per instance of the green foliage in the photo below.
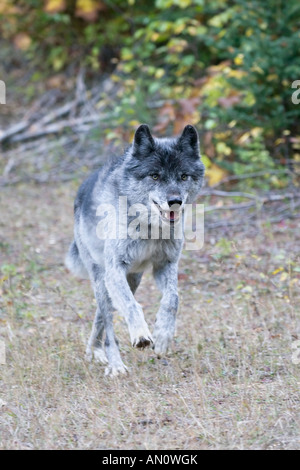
(263, 43)
(225, 66)
(224, 248)
(253, 156)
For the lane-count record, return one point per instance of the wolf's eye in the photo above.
(184, 177)
(155, 176)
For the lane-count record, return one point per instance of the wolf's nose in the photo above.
(174, 200)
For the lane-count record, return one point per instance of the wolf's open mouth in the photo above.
(170, 215)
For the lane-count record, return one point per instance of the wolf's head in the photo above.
(166, 173)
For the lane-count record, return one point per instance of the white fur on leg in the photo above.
(100, 356)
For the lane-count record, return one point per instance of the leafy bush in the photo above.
(226, 66)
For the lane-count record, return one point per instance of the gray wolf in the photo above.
(161, 175)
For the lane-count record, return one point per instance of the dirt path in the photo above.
(230, 381)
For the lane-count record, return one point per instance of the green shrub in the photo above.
(226, 66)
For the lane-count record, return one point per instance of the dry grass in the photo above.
(228, 383)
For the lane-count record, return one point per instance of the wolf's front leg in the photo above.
(123, 300)
(166, 279)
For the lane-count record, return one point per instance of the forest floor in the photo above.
(231, 380)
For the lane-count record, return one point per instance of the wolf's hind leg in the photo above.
(115, 364)
(104, 321)
(95, 344)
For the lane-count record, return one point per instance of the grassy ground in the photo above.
(231, 380)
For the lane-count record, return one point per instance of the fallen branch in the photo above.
(86, 114)
(228, 179)
(258, 203)
(214, 192)
(260, 198)
(76, 124)
(231, 207)
(15, 129)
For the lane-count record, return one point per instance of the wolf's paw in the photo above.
(114, 370)
(142, 342)
(88, 355)
(141, 338)
(100, 356)
(162, 341)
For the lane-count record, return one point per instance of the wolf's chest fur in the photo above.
(141, 254)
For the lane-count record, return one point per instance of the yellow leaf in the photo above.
(206, 161)
(284, 276)
(239, 59)
(54, 6)
(222, 135)
(115, 78)
(179, 28)
(249, 99)
(176, 45)
(215, 174)
(192, 30)
(126, 54)
(22, 41)
(88, 9)
(239, 74)
(184, 3)
(277, 271)
(244, 137)
(256, 131)
(222, 33)
(272, 77)
(154, 36)
(257, 69)
(159, 73)
(247, 289)
(223, 149)
(7, 7)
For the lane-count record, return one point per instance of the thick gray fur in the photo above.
(153, 172)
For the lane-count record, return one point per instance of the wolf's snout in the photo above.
(172, 200)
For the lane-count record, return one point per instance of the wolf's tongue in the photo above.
(169, 215)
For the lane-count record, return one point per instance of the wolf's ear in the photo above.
(143, 141)
(189, 137)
